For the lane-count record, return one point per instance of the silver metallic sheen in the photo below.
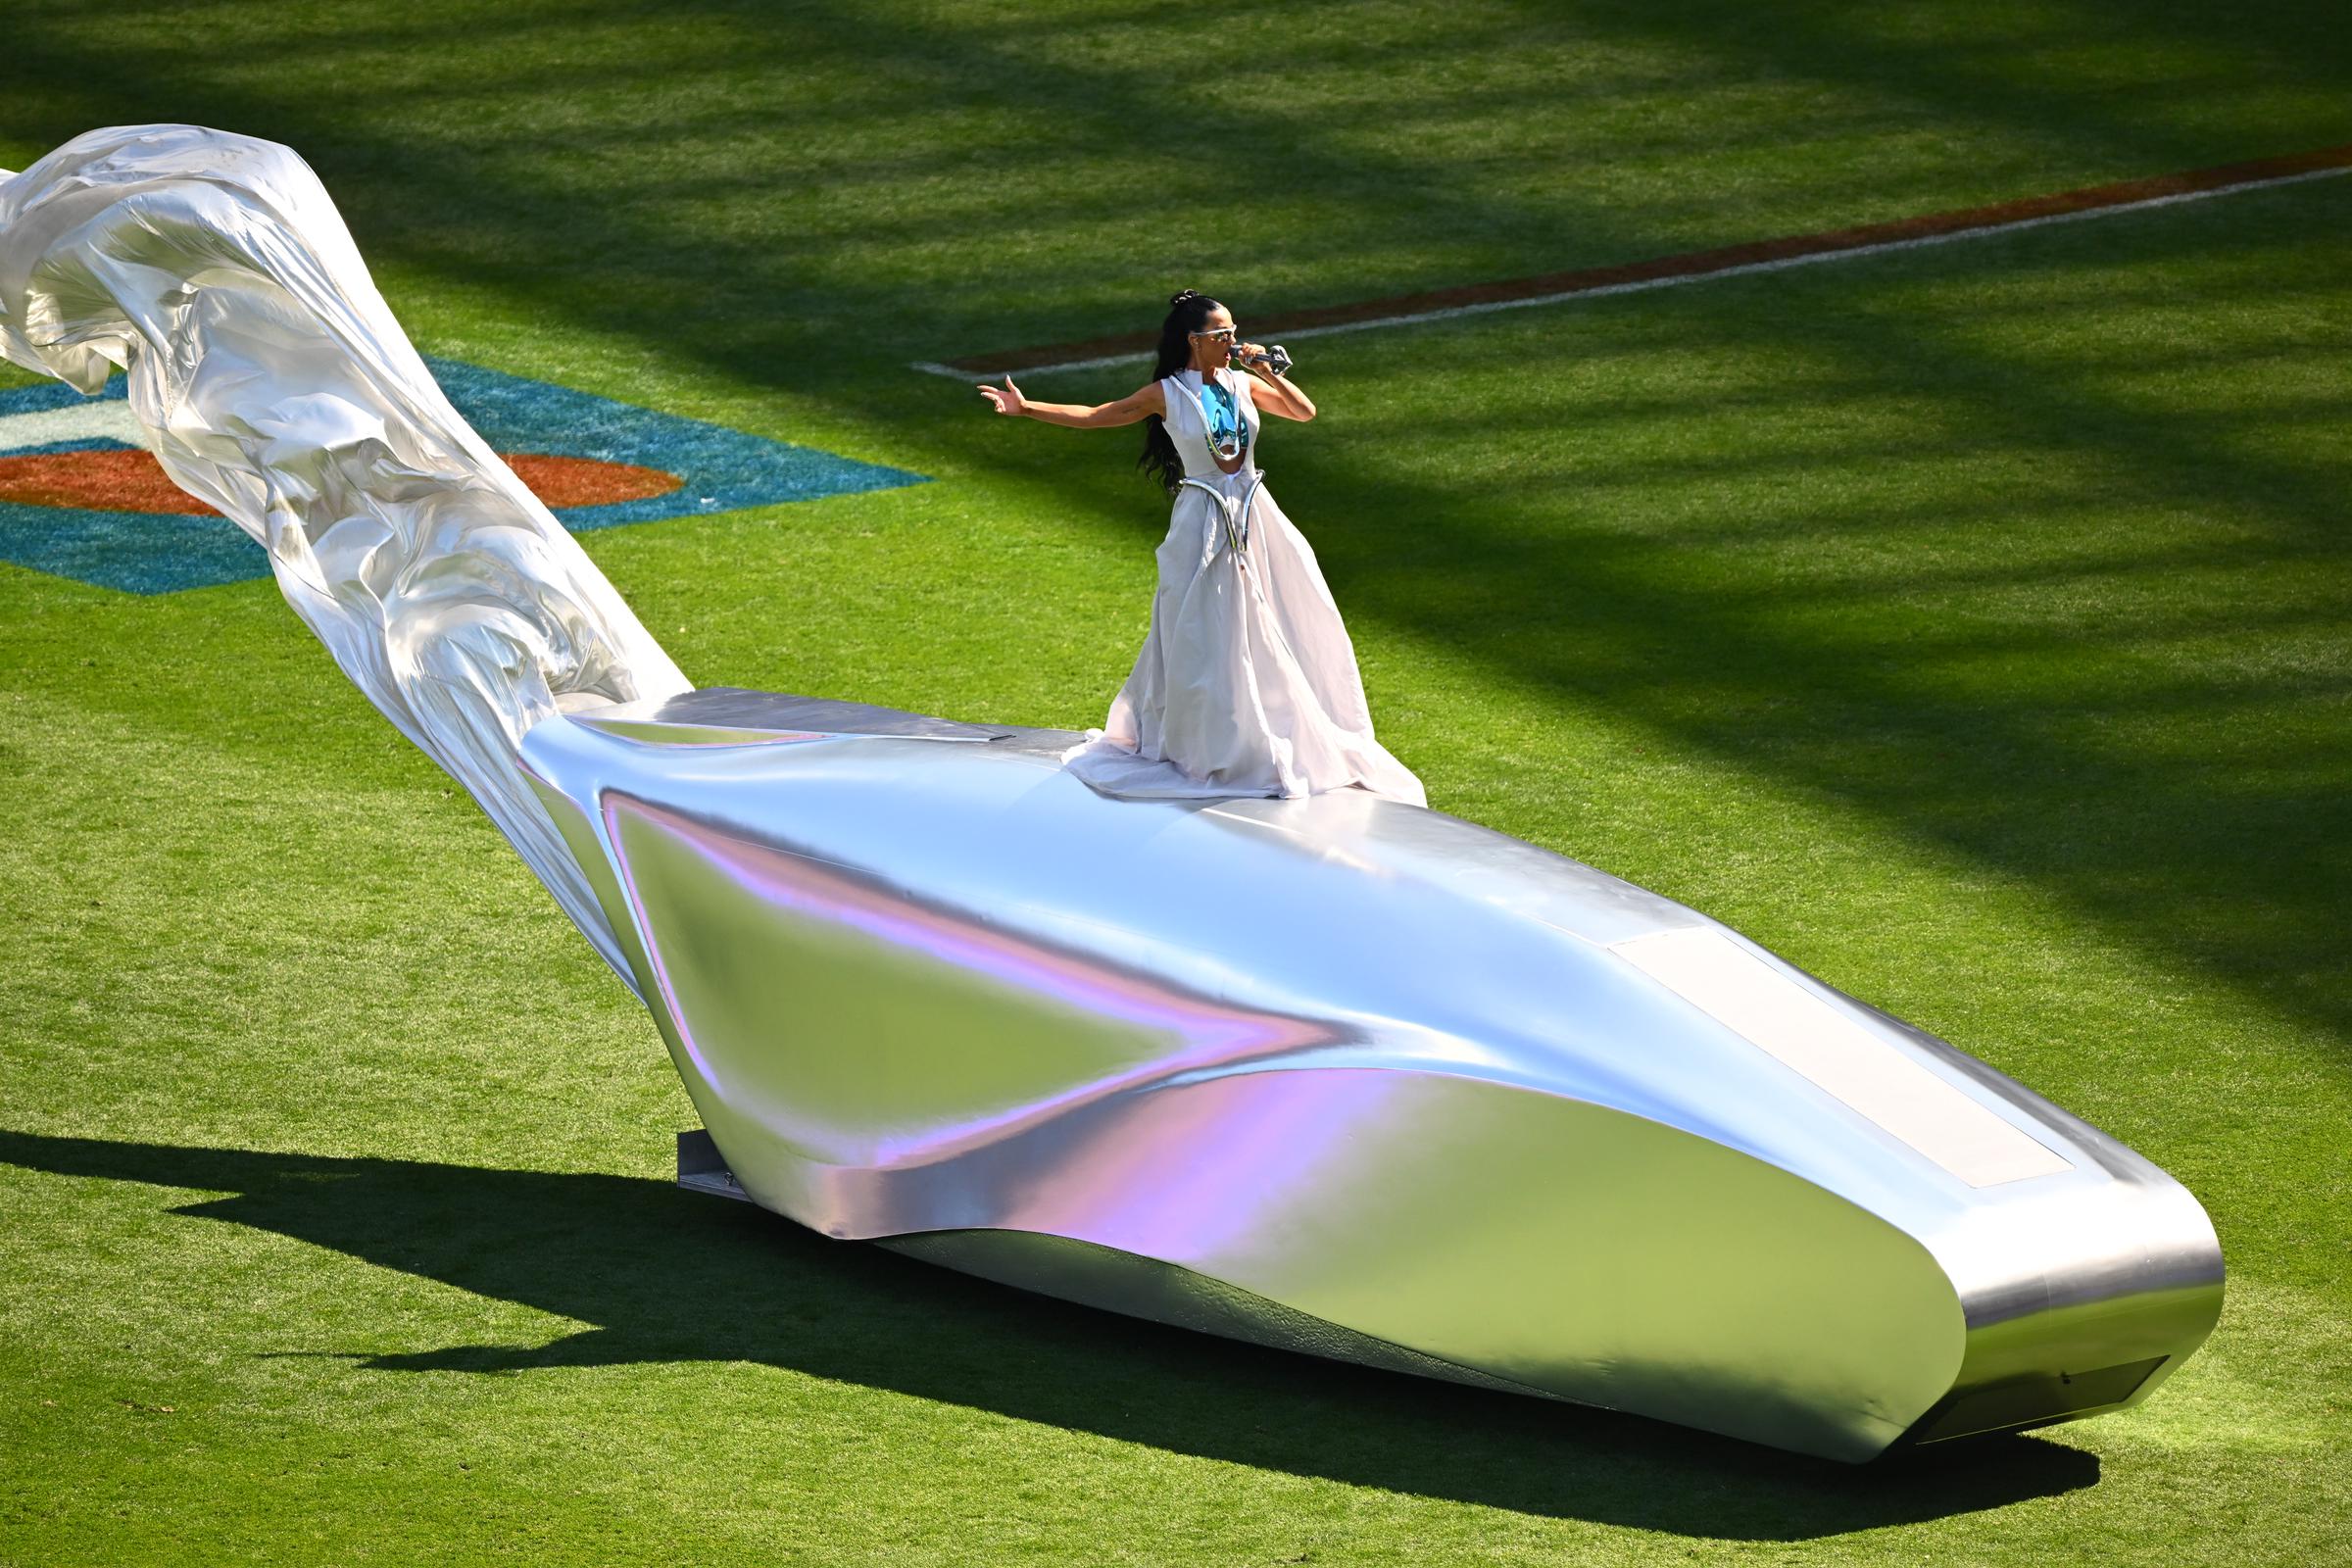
(1338, 1074)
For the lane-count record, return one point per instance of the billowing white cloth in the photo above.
(1247, 683)
(272, 382)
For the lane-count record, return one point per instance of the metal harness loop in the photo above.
(1236, 514)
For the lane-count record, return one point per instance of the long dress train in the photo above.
(1247, 683)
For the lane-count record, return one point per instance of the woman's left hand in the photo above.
(1005, 399)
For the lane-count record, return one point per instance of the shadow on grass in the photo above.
(665, 1275)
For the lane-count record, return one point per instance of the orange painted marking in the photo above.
(133, 480)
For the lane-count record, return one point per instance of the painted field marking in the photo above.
(106, 419)
(1691, 267)
(81, 497)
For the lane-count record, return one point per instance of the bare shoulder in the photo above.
(1150, 398)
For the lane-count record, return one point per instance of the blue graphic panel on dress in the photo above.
(147, 551)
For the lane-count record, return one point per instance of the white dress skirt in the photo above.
(1246, 682)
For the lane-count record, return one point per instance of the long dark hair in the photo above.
(1187, 310)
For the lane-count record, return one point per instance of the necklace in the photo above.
(1228, 436)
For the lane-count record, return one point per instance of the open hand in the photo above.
(1005, 399)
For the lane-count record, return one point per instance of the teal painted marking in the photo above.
(152, 553)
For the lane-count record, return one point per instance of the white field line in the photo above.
(1775, 265)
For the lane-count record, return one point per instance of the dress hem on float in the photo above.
(1109, 769)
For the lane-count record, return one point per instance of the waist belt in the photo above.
(1234, 511)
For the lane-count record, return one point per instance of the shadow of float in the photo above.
(668, 1276)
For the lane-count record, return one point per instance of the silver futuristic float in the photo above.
(1341, 1074)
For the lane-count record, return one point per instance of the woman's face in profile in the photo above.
(1212, 339)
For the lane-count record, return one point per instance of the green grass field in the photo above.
(1969, 625)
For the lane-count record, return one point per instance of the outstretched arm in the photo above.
(1144, 400)
(1276, 394)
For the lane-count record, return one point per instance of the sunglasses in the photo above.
(1222, 334)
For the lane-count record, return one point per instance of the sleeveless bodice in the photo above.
(1188, 425)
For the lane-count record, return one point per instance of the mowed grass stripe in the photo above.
(1789, 249)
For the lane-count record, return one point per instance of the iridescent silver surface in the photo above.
(1339, 1073)
(1356, 1076)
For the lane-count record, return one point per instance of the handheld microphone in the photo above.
(1276, 358)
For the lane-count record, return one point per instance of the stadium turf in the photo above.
(1968, 625)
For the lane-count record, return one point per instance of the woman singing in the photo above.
(1246, 682)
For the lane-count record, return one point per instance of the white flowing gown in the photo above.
(1246, 683)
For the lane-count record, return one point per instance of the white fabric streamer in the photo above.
(273, 383)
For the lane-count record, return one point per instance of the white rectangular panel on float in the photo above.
(1836, 1053)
